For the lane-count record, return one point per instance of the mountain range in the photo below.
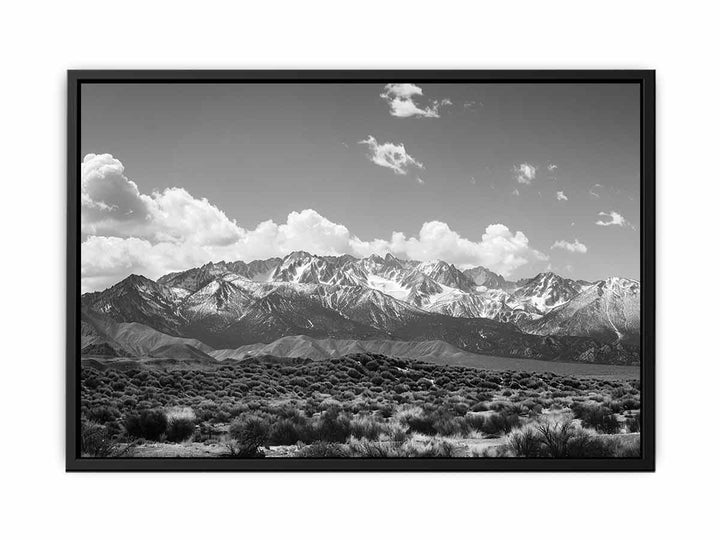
(230, 305)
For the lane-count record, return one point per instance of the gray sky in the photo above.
(498, 154)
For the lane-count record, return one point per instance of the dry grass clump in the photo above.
(147, 424)
(564, 439)
(180, 424)
(632, 423)
(597, 417)
(322, 449)
(95, 441)
(434, 447)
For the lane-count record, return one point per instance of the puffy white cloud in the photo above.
(498, 249)
(112, 205)
(560, 196)
(572, 247)
(309, 231)
(524, 173)
(611, 218)
(401, 99)
(391, 155)
(107, 259)
(172, 231)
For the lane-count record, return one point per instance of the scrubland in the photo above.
(361, 405)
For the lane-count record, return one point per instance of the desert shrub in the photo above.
(150, 424)
(434, 422)
(474, 421)
(103, 415)
(564, 440)
(447, 425)
(331, 404)
(583, 444)
(385, 411)
(429, 448)
(180, 429)
(330, 427)
(632, 423)
(242, 449)
(525, 442)
(95, 441)
(287, 431)
(614, 406)
(249, 430)
(630, 404)
(206, 432)
(555, 437)
(322, 449)
(397, 434)
(422, 423)
(600, 418)
(515, 409)
(498, 423)
(620, 446)
(367, 428)
(480, 406)
(460, 409)
(364, 448)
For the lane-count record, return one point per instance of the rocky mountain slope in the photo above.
(228, 305)
(104, 338)
(608, 310)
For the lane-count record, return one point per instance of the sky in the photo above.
(519, 178)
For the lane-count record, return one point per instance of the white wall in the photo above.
(39, 42)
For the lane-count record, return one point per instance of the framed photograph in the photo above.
(361, 271)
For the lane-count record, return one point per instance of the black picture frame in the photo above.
(646, 80)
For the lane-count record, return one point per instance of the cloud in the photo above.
(552, 167)
(390, 155)
(572, 247)
(516, 192)
(401, 99)
(498, 249)
(125, 231)
(109, 258)
(420, 180)
(593, 191)
(560, 196)
(524, 173)
(614, 219)
(112, 204)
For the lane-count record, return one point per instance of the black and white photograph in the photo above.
(376, 269)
